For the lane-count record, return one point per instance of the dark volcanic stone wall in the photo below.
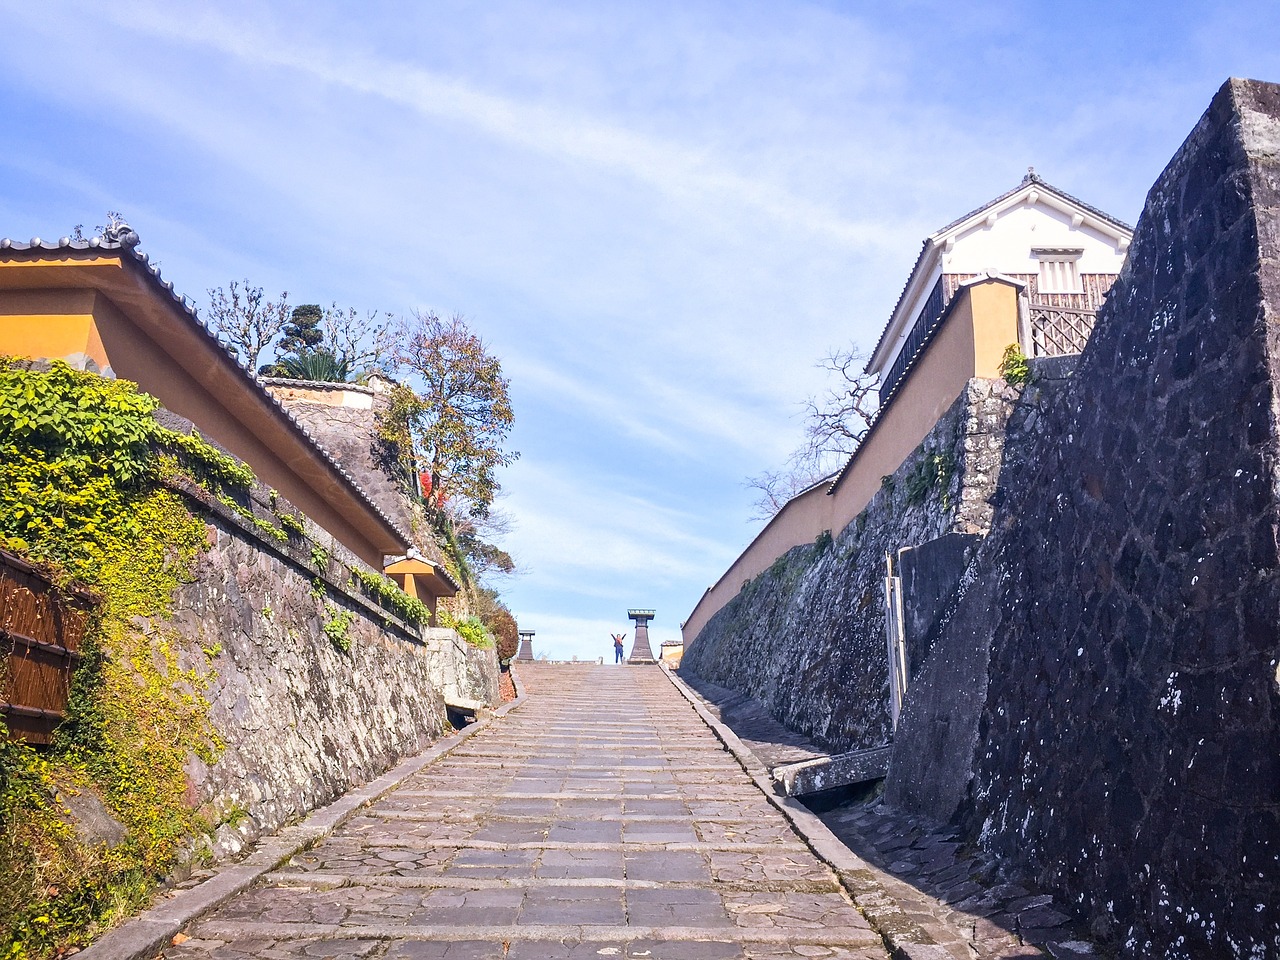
(806, 638)
(1105, 706)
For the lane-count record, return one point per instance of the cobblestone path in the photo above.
(600, 819)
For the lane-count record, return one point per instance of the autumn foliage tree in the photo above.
(456, 414)
(503, 627)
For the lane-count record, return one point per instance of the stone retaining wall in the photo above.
(1104, 709)
(806, 638)
(303, 721)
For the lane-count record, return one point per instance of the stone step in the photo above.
(611, 822)
(853, 936)
(332, 881)
(415, 816)
(626, 846)
(743, 797)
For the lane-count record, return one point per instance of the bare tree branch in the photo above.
(367, 341)
(835, 424)
(247, 320)
(840, 417)
(777, 487)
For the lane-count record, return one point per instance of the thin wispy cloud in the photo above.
(589, 523)
(599, 402)
(662, 416)
(690, 175)
(658, 215)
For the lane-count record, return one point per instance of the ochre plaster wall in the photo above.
(52, 310)
(790, 528)
(982, 322)
(179, 384)
(52, 324)
(331, 395)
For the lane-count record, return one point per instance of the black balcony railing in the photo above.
(921, 333)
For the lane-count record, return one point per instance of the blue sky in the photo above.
(658, 214)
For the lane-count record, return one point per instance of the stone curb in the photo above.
(154, 929)
(903, 937)
(517, 686)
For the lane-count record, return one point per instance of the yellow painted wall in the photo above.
(52, 324)
(981, 323)
(791, 527)
(182, 385)
(409, 584)
(173, 362)
(996, 307)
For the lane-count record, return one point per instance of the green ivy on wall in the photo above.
(82, 468)
(472, 629)
(383, 591)
(931, 473)
(337, 627)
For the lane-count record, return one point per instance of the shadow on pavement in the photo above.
(962, 900)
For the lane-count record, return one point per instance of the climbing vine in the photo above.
(1014, 366)
(319, 557)
(385, 593)
(83, 465)
(932, 471)
(292, 525)
(472, 629)
(337, 627)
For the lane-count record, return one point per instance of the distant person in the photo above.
(617, 646)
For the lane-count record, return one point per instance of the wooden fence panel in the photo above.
(42, 629)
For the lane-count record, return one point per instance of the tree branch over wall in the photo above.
(836, 422)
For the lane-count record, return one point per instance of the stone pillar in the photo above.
(526, 645)
(641, 652)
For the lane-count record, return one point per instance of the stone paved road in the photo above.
(600, 819)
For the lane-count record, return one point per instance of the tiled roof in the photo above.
(315, 384)
(924, 248)
(874, 423)
(1031, 177)
(127, 246)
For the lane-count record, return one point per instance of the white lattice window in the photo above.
(1059, 271)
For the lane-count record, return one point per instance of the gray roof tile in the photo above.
(130, 249)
